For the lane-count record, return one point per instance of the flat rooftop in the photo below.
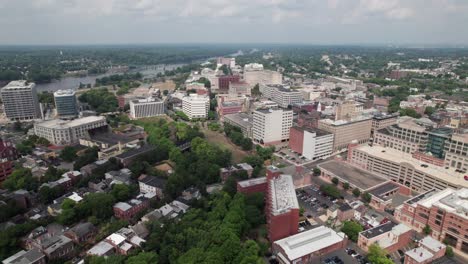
(448, 175)
(419, 254)
(57, 123)
(382, 191)
(378, 230)
(353, 175)
(317, 131)
(240, 118)
(252, 182)
(345, 122)
(20, 84)
(456, 203)
(68, 92)
(283, 194)
(309, 241)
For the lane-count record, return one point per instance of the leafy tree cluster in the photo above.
(265, 152)
(409, 112)
(330, 190)
(225, 69)
(378, 255)
(21, 178)
(90, 155)
(8, 209)
(46, 98)
(10, 238)
(237, 137)
(68, 154)
(212, 234)
(352, 230)
(26, 146)
(256, 90)
(100, 99)
(118, 79)
(96, 205)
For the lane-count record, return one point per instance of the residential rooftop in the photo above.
(378, 230)
(431, 244)
(419, 254)
(25, 257)
(283, 194)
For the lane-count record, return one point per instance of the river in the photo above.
(74, 82)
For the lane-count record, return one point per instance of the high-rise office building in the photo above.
(20, 101)
(65, 103)
(271, 126)
(148, 107)
(196, 106)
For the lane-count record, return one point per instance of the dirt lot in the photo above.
(167, 85)
(219, 139)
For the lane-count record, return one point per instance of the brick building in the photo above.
(445, 212)
(8, 154)
(128, 210)
(389, 236)
(223, 82)
(429, 250)
(282, 207)
(252, 185)
(382, 195)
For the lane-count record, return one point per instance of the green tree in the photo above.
(330, 190)
(429, 110)
(21, 179)
(351, 229)
(449, 252)
(317, 171)
(356, 192)
(121, 192)
(345, 185)
(143, 258)
(256, 90)
(335, 180)
(366, 197)
(427, 230)
(377, 255)
(68, 154)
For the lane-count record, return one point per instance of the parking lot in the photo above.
(343, 257)
(314, 203)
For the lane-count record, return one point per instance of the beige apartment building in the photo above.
(403, 168)
(380, 121)
(456, 150)
(346, 110)
(344, 132)
(408, 135)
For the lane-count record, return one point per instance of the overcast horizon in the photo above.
(300, 22)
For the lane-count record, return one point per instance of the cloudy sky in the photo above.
(234, 21)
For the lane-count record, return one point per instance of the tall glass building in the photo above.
(436, 141)
(65, 103)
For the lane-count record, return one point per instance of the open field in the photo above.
(220, 140)
(167, 85)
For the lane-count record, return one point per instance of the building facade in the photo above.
(65, 103)
(61, 132)
(389, 236)
(404, 169)
(445, 212)
(196, 106)
(255, 76)
(242, 121)
(20, 101)
(311, 143)
(345, 132)
(271, 126)
(456, 152)
(146, 108)
(8, 155)
(282, 207)
(380, 121)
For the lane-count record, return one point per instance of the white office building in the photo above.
(254, 74)
(20, 101)
(317, 144)
(62, 132)
(65, 103)
(148, 107)
(196, 106)
(282, 96)
(271, 126)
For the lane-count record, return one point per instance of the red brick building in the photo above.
(382, 195)
(389, 236)
(252, 186)
(223, 82)
(445, 212)
(282, 207)
(296, 139)
(8, 154)
(128, 210)
(429, 250)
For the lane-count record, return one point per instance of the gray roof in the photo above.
(24, 257)
(82, 229)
